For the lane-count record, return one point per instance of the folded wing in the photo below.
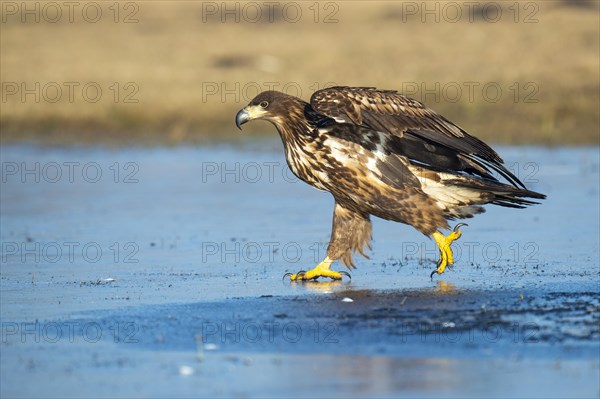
(423, 136)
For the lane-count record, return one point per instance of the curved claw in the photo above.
(345, 273)
(298, 275)
(439, 262)
(287, 275)
(458, 226)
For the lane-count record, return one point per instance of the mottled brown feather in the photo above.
(389, 111)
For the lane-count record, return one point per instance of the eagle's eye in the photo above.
(264, 104)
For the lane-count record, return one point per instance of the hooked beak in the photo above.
(242, 117)
(249, 113)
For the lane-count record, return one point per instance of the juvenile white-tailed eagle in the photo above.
(383, 154)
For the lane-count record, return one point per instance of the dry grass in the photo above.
(173, 57)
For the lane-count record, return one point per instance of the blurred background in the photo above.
(108, 115)
(161, 72)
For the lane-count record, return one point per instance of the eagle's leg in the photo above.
(321, 270)
(351, 232)
(443, 243)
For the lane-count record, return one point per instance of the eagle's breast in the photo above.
(308, 162)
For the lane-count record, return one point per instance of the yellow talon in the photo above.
(321, 270)
(443, 243)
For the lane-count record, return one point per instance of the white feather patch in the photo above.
(457, 200)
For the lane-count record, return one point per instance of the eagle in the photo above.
(380, 153)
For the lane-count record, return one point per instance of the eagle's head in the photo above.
(272, 106)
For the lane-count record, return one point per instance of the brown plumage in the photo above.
(383, 154)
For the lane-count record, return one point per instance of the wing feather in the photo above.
(409, 120)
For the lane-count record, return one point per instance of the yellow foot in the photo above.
(443, 243)
(321, 270)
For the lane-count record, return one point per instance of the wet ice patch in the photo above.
(100, 281)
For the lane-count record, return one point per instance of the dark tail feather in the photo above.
(513, 201)
(504, 194)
